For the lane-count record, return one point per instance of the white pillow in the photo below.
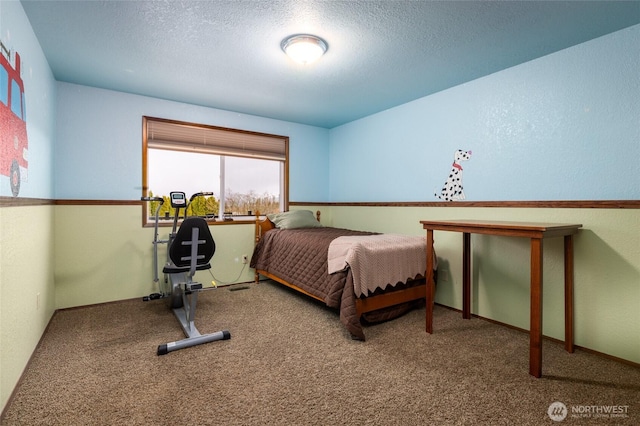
(294, 219)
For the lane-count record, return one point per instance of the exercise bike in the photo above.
(189, 249)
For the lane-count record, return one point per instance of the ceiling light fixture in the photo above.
(304, 48)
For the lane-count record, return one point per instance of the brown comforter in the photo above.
(299, 256)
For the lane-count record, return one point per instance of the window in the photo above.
(247, 172)
(16, 99)
(4, 86)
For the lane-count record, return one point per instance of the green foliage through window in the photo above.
(207, 206)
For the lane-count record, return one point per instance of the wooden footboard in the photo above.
(392, 298)
(366, 304)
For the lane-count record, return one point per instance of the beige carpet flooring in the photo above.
(290, 362)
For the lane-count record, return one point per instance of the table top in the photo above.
(508, 228)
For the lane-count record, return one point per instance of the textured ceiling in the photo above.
(226, 54)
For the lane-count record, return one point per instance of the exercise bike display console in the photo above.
(189, 249)
(178, 199)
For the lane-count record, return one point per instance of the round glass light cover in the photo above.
(304, 49)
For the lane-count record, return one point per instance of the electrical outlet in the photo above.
(38, 301)
(244, 258)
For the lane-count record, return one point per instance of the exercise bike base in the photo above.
(193, 341)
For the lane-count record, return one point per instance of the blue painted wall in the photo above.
(98, 151)
(562, 127)
(40, 95)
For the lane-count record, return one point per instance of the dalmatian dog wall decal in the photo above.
(452, 189)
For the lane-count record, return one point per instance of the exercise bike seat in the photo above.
(180, 250)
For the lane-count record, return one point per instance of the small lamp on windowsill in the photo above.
(304, 48)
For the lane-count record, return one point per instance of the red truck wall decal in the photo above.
(13, 125)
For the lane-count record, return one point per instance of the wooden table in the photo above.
(536, 232)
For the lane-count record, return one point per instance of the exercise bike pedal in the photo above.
(152, 296)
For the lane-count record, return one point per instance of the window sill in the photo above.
(168, 223)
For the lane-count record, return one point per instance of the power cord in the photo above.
(216, 280)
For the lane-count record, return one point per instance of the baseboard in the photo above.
(552, 339)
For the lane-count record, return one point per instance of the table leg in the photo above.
(568, 293)
(466, 275)
(535, 331)
(430, 290)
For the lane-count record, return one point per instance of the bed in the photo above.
(294, 249)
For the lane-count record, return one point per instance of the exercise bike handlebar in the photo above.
(200, 194)
(161, 199)
(152, 199)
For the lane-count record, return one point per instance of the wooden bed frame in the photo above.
(363, 305)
